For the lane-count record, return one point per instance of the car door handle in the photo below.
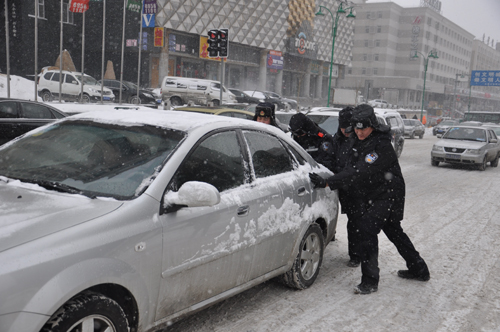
(301, 191)
(243, 210)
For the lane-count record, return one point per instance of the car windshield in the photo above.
(326, 122)
(89, 158)
(466, 134)
(447, 123)
(89, 80)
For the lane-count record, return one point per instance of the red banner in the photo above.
(159, 37)
(78, 6)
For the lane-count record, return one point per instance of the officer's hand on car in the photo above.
(317, 180)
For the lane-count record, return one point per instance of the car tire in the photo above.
(494, 162)
(216, 102)
(482, 166)
(412, 135)
(85, 308)
(175, 101)
(135, 100)
(421, 136)
(434, 162)
(47, 96)
(305, 268)
(85, 99)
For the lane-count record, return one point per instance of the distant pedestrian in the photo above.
(375, 181)
(316, 141)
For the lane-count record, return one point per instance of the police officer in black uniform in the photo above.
(341, 149)
(265, 113)
(317, 142)
(374, 179)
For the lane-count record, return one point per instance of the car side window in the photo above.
(269, 157)
(492, 135)
(33, 111)
(217, 160)
(47, 76)
(55, 77)
(70, 79)
(8, 110)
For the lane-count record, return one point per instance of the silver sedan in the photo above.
(129, 220)
(469, 145)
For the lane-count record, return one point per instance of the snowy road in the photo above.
(452, 216)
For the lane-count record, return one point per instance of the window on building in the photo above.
(366, 43)
(375, 71)
(67, 15)
(365, 57)
(428, 35)
(379, 29)
(437, 25)
(363, 71)
(435, 38)
(349, 70)
(377, 43)
(429, 21)
(379, 14)
(367, 29)
(41, 9)
(375, 57)
(368, 14)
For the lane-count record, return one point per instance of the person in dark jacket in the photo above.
(374, 179)
(341, 149)
(317, 142)
(264, 113)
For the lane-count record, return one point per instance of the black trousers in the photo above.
(376, 218)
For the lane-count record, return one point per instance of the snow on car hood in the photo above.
(28, 212)
(463, 144)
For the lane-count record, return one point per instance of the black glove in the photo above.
(317, 180)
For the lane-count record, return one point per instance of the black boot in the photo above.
(409, 275)
(364, 289)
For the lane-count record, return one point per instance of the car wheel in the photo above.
(434, 162)
(482, 166)
(307, 264)
(135, 100)
(46, 96)
(412, 135)
(85, 99)
(88, 312)
(421, 136)
(216, 102)
(175, 101)
(494, 162)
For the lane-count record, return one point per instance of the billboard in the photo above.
(485, 78)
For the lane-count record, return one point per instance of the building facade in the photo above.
(392, 45)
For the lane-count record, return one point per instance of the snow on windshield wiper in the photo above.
(61, 187)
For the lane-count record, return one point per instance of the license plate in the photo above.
(452, 156)
(106, 98)
(158, 101)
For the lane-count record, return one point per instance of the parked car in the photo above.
(266, 97)
(292, 103)
(468, 145)
(71, 87)
(129, 93)
(284, 117)
(394, 120)
(218, 110)
(242, 97)
(443, 126)
(130, 220)
(181, 90)
(20, 116)
(380, 103)
(414, 128)
(328, 120)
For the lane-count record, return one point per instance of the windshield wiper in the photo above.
(61, 187)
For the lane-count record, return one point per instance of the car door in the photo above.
(206, 250)
(9, 121)
(493, 146)
(71, 87)
(34, 115)
(279, 193)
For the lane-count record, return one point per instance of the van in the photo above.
(394, 120)
(71, 87)
(181, 90)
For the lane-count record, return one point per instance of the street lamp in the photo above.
(340, 10)
(432, 54)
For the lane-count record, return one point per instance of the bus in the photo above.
(493, 117)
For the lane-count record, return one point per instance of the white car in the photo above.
(380, 103)
(71, 87)
(129, 220)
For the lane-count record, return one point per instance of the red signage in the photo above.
(78, 6)
(159, 37)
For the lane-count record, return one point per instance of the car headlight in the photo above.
(94, 90)
(473, 151)
(437, 148)
(148, 95)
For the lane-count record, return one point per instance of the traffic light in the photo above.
(213, 43)
(223, 43)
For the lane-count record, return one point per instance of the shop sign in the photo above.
(159, 37)
(326, 70)
(315, 67)
(204, 52)
(148, 20)
(303, 45)
(149, 7)
(432, 4)
(485, 78)
(275, 60)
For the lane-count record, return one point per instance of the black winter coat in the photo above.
(372, 173)
(319, 146)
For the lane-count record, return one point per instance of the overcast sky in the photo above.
(476, 16)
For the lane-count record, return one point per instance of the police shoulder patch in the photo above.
(371, 157)
(325, 146)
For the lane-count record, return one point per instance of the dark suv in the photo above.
(393, 119)
(129, 93)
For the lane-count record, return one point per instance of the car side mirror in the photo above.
(191, 194)
(493, 140)
(74, 82)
